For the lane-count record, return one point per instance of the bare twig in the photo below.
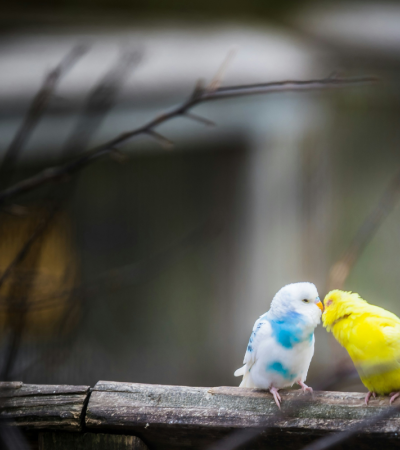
(293, 85)
(200, 119)
(217, 80)
(160, 138)
(342, 268)
(99, 102)
(199, 96)
(38, 106)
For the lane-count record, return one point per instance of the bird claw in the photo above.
(277, 397)
(368, 396)
(393, 396)
(305, 388)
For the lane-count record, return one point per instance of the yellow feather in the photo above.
(370, 334)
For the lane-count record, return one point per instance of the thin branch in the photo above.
(217, 80)
(160, 138)
(200, 119)
(295, 85)
(99, 102)
(342, 268)
(39, 105)
(199, 96)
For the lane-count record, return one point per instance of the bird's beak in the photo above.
(320, 305)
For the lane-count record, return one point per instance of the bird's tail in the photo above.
(245, 372)
(240, 372)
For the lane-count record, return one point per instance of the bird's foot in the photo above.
(305, 388)
(277, 397)
(368, 396)
(393, 396)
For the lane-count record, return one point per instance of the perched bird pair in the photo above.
(281, 345)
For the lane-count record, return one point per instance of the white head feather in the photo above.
(299, 297)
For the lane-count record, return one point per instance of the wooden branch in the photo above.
(176, 416)
(166, 417)
(43, 406)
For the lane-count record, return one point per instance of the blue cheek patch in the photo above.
(289, 331)
(281, 369)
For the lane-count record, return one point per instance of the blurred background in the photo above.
(152, 266)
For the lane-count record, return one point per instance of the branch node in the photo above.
(118, 156)
(217, 79)
(160, 138)
(198, 90)
(200, 119)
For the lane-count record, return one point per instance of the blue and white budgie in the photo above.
(281, 345)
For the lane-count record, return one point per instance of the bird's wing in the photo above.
(375, 337)
(381, 313)
(261, 330)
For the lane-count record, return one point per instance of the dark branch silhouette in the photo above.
(99, 102)
(200, 95)
(37, 108)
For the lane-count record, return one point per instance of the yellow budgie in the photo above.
(371, 335)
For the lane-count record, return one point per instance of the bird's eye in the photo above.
(305, 300)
